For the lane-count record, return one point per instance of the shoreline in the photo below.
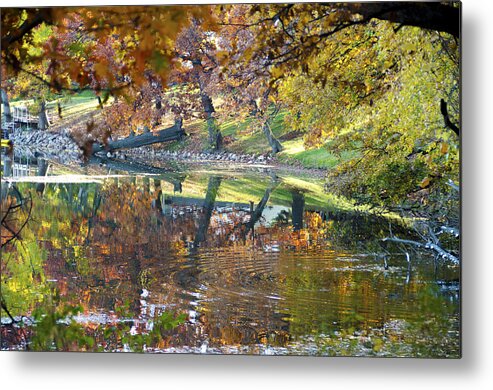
(60, 147)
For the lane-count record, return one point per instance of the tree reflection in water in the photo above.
(255, 265)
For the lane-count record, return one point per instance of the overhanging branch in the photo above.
(446, 117)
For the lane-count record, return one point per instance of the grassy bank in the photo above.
(243, 138)
(240, 136)
(75, 109)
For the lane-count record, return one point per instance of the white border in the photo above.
(474, 371)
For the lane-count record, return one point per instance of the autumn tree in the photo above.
(105, 49)
(380, 80)
(247, 88)
(196, 48)
(338, 63)
(145, 40)
(290, 34)
(292, 39)
(186, 93)
(27, 85)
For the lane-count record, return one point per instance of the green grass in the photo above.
(232, 127)
(294, 150)
(321, 158)
(73, 107)
(252, 140)
(241, 135)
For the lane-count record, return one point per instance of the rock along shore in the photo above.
(58, 146)
(61, 147)
(195, 157)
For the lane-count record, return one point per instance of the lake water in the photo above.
(214, 261)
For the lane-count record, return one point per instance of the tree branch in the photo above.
(452, 185)
(26, 27)
(448, 122)
(170, 134)
(429, 245)
(59, 87)
(449, 230)
(429, 15)
(17, 234)
(4, 307)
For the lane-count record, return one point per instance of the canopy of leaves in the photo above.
(102, 48)
(382, 100)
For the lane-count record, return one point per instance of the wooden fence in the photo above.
(22, 118)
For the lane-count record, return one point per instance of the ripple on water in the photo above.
(313, 288)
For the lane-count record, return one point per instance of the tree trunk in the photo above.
(205, 220)
(42, 171)
(273, 141)
(215, 136)
(297, 210)
(96, 203)
(7, 166)
(446, 118)
(146, 184)
(6, 106)
(172, 133)
(259, 209)
(43, 122)
(134, 271)
(159, 106)
(430, 15)
(157, 201)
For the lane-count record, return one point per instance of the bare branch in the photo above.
(56, 86)
(429, 245)
(449, 230)
(16, 234)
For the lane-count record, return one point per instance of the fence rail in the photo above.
(22, 118)
(21, 114)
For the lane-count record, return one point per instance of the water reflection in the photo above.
(258, 263)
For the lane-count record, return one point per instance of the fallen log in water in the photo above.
(172, 133)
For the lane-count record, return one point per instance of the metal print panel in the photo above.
(264, 179)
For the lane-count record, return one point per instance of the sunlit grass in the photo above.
(73, 108)
(248, 137)
(241, 135)
(321, 158)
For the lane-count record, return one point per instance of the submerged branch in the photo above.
(6, 310)
(449, 230)
(429, 245)
(15, 234)
(452, 185)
